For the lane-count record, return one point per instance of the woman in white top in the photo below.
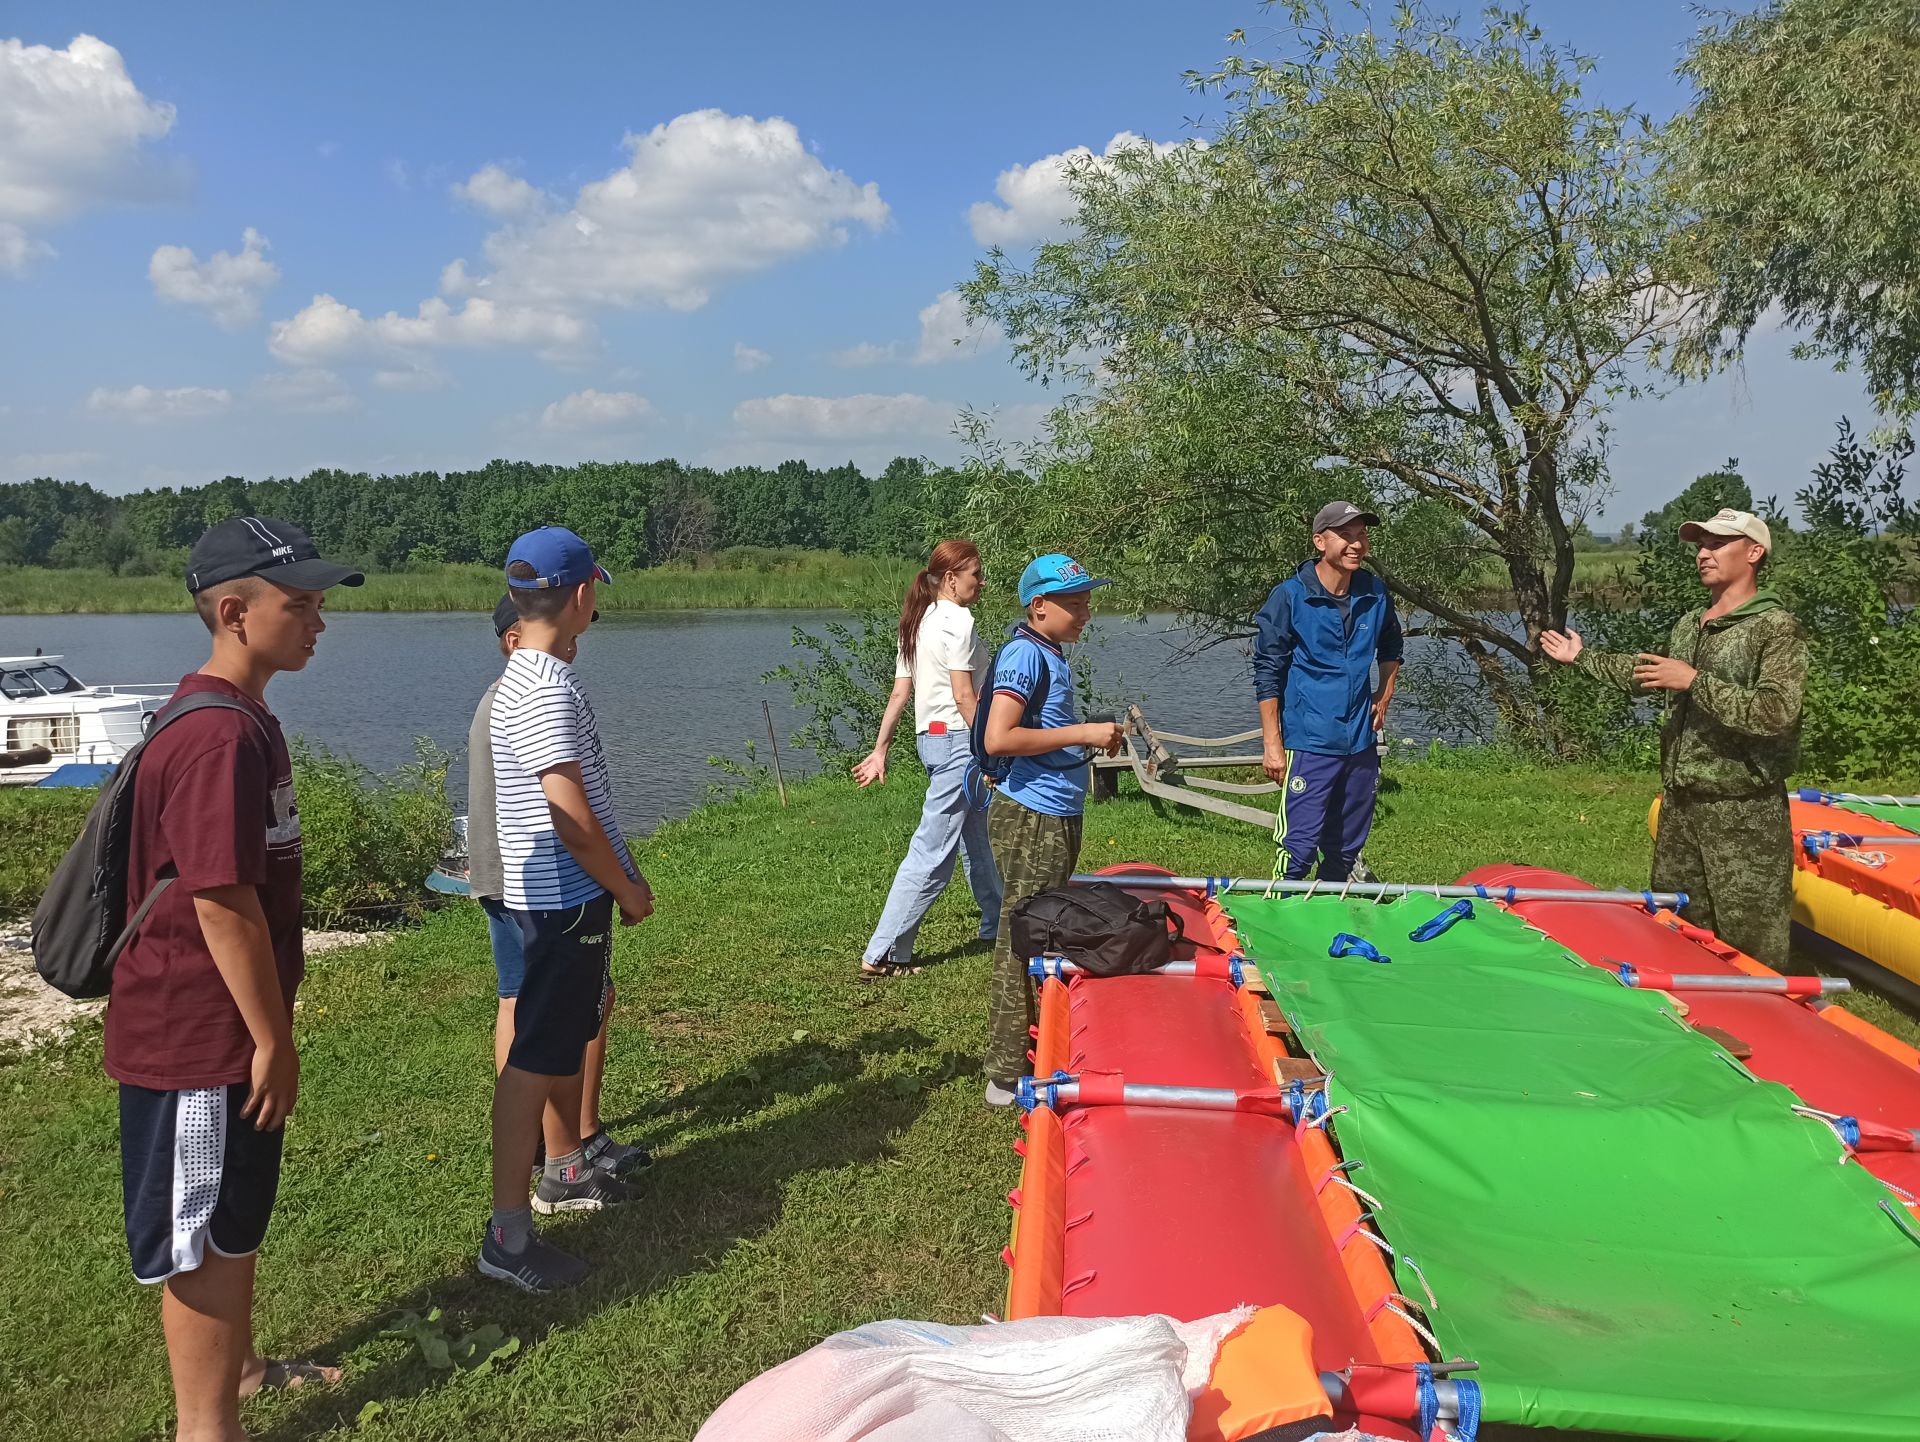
(943, 665)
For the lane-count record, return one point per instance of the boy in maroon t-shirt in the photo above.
(200, 1020)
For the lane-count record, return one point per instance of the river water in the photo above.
(670, 688)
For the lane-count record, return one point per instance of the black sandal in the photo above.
(887, 970)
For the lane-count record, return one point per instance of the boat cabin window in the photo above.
(24, 683)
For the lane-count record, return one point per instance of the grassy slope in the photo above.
(824, 1155)
(732, 580)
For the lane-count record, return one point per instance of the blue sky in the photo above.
(722, 233)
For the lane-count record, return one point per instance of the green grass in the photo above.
(736, 579)
(824, 1157)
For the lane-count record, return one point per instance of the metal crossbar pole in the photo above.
(1718, 981)
(1819, 840)
(1373, 890)
(1231, 968)
(1064, 1089)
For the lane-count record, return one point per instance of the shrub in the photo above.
(36, 828)
(369, 840)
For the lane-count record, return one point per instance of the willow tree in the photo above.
(1800, 160)
(1412, 267)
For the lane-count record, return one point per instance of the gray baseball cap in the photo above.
(1338, 513)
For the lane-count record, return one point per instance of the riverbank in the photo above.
(823, 1155)
(745, 578)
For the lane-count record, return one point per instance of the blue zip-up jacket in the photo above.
(1318, 663)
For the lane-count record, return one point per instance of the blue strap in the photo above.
(1461, 910)
(1347, 944)
(1481, 892)
(1812, 793)
(1628, 976)
(1237, 970)
(1679, 901)
(1467, 1426)
(1849, 1129)
(1429, 1399)
(1305, 1106)
(1646, 898)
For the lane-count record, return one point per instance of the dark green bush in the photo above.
(369, 840)
(36, 828)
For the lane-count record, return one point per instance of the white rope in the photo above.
(1326, 1116)
(1365, 1196)
(1374, 1237)
(1348, 887)
(1408, 1317)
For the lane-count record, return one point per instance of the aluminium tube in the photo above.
(1373, 890)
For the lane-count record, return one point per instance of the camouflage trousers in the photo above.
(1035, 853)
(1733, 856)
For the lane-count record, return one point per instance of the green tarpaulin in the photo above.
(1904, 818)
(1625, 1229)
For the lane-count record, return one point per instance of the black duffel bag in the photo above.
(1099, 927)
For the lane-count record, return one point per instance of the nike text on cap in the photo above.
(260, 546)
(558, 557)
(1729, 522)
(1335, 514)
(1055, 575)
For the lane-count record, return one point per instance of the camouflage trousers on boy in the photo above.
(1035, 853)
(1733, 856)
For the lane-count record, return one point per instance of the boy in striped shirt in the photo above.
(565, 870)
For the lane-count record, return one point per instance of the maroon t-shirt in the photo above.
(213, 796)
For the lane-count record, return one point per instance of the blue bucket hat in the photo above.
(1055, 575)
(558, 557)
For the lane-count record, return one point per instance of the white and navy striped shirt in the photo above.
(542, 719)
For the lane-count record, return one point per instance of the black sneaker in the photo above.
(589, 1193)
(538, 1268)
(616, 1159)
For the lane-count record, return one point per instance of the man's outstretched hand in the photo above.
(1563, 647)
(1662, 673)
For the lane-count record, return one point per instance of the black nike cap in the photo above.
(255, 546)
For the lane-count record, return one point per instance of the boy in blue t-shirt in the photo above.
(1033, 824)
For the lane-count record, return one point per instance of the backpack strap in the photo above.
(163, 718)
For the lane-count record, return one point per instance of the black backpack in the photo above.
(1099, 927)
(77, 928)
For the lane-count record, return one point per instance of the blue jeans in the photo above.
(948, 827)
(509, 960)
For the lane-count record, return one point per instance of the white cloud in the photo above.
(1036, 201)
(866, 354)
(398, 176)
(946, 333)
(328, 330)
(845, 417)
(703, 199)
(497, 191)
(72, 124)
(313, 391)
(589, 409)
(749, 358)
(143, 403)
(417, 376)
(229, 286)
(63, 465)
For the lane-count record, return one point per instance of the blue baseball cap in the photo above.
(1055, 575)
(558, 556)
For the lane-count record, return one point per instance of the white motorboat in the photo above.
(44, 706)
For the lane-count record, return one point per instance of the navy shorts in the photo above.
(563, 996)
(509, 961)
(195, 1174)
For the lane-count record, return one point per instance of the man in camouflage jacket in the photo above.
(1737, 668)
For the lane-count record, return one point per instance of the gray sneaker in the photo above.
(589, 1193)
(616, 1159)
(1000, 1096)
(536, 1268)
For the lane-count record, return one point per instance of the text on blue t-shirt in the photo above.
(1054, 784)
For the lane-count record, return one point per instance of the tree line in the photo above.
(637, 513)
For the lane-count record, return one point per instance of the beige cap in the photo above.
(1729, 522)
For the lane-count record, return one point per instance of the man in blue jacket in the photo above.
(1316, 641)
